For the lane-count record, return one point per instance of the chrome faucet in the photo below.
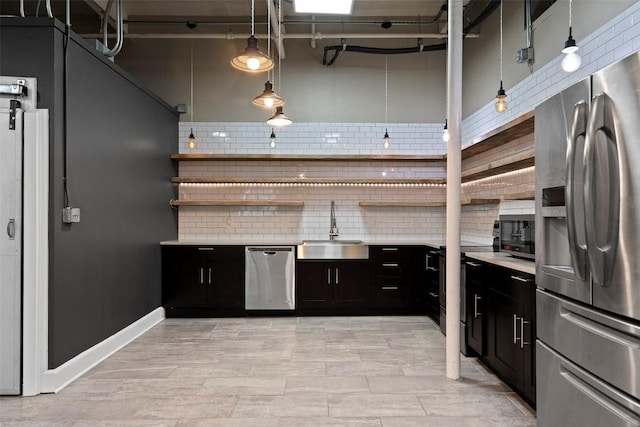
(333, 230)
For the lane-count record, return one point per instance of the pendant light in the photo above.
(268, 98)
(191, 141)
(272, 139)
(445, 132)
(279, 119)
(571, 61)
(386, 141)
(252, 60)
(501, 105)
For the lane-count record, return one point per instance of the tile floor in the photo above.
(309, 371)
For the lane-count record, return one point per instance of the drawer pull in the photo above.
(390, 264)
(389, 249)
(521, 279)
(206, 249)
(389, 288)
(433, 295)
(432, 269)
(473, 264)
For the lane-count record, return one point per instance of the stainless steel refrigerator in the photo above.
(588, 251)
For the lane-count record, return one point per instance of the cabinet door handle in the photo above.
(522, 323)
(521, 279)
(11, 229)
(210, 275)
(328, 276)
(389, 249)
(390, 264)
(473, 264)
(515, 329)
(201, 276)
(389, 288)
(337, 277)
(476, 298)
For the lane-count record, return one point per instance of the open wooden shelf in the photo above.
(400, 204)
(393, 204)
(325, 181)
(436, 158)
(523, 195)
(291, 203)
(511, 163)
(517, 128)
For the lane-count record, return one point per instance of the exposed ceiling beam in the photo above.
(276, 30)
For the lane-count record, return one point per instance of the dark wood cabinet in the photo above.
(432, 280)
(475, 272)
(510, 328)
(398, 277)
(329, 285)
(202, 280)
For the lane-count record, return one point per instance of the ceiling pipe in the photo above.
(49, 11)
(119, 30)
(22, 8)
(316, 36)
(378, 51)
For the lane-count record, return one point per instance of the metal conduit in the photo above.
(119, 27)
(49, 11)
(315, 36)
(22, 8)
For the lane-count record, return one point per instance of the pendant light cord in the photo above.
(191, 80)
(253, 5)
(570, 1)
(501, 3)
(269, 33)
(280, 46)
(386, 91)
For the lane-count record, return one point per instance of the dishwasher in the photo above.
(270, 278)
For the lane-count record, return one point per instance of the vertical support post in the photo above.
(454, 166)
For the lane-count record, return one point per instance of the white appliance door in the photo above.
(612, 188)
(11, 141)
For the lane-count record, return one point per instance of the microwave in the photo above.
(517, 235)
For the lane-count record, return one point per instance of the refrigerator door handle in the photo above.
(601, 157)
(577, 250)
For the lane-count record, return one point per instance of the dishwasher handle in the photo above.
(269, 250)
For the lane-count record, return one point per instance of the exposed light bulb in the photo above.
(571, 62)
(501, 105)
(268, 102)
(272, 139)
(386, 140)
(253, 63)
(191, 142)
(445, 132)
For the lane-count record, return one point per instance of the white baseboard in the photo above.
(54, 380)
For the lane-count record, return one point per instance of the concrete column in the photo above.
(454, 161)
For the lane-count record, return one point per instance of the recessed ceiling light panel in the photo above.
(336, 7)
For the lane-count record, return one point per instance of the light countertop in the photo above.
(504, 260)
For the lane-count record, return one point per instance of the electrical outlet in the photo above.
(70, 215)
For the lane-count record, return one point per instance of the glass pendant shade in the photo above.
(279, 119)
(252, 60)
(268, 98)
(386, 141)
(191, 141)
(501, 105)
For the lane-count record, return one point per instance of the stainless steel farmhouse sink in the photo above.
(333, 249)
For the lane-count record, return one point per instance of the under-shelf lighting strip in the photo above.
(495, 179)
(310, 184)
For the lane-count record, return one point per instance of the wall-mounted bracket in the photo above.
(17, 89)
(13, 106)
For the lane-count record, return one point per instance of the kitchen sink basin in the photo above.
(333, 249)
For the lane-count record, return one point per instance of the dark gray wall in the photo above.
(105, 270)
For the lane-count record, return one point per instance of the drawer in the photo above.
(388, 269)
(388, 294)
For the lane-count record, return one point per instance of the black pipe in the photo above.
(488, 10)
